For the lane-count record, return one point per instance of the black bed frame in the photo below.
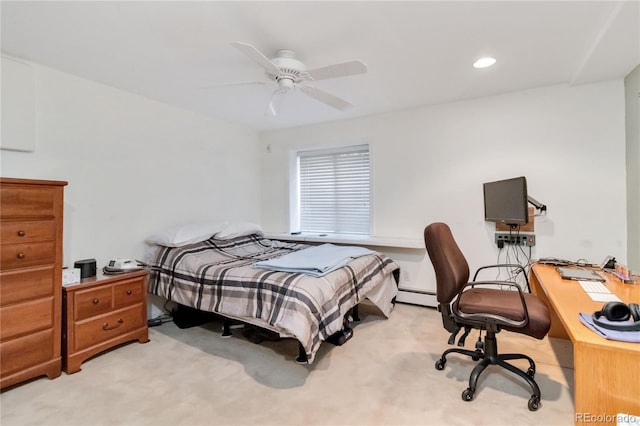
(339, 338)
(186, 317)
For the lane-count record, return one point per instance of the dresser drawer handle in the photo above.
(20, 255)
(105, 326)
(96, 301)
(128, 292)
(21, 233)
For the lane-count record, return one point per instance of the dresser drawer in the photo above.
(26, 318)
(95, 301)
(24, 255)
(128, 293)
(24, 201)
(18, 232)
(27, 351)
(101, 329)
(26, 284)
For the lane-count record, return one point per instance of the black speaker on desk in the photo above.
(87, 267)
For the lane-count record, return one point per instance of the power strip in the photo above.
(516, 239)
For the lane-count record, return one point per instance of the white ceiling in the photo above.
(417, 53)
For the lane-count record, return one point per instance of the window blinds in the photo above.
(335, 191)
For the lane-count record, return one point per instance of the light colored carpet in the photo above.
(384, 375)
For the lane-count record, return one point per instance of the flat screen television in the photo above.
(505, 201)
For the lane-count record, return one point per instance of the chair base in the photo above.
(490, 356)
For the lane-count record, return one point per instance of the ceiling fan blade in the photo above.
(326, 98)
(338, 70)
(257, 56)
(275, 102)
(242, 83)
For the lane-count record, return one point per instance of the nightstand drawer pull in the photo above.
(128, 292)
(96, 301)
(21, 233)
(105, 326)
(21, 256)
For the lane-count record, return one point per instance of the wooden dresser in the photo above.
(30, 279)
(102, 312)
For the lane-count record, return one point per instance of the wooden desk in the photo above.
(606, 372)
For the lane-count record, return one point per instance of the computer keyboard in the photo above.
(594, 287)
(598, 292)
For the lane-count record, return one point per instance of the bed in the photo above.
(220, 276)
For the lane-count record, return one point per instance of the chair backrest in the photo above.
(450, 265)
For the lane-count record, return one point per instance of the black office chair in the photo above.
(483, 305)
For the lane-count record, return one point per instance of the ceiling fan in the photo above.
(288, 73)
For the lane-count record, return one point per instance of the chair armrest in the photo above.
(498, 319)
(520, 268)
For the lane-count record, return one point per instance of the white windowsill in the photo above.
(411, 243)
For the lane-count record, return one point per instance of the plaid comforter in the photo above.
(217, 276)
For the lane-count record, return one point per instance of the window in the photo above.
(334, 191)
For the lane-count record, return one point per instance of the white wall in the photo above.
(133, 165)
(632, 89)
(429, 165)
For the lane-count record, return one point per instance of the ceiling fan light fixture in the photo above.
(484, 62)
(285, 83)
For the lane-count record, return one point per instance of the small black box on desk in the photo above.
(87, 267)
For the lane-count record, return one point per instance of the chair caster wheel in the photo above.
(467, 395)
(440, 364)
(475, 358)
(534, 403)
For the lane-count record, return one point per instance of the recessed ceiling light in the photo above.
(484, 62)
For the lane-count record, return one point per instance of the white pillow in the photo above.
(238, 229)
(190, 233)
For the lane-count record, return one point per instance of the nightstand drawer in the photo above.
(23, 201)
(109, 326)
(24, 255)
(20, 232)
(26, 351)
(26, 284)
(128, 293)
(93, 302)
(26, 318)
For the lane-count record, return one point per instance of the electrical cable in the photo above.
(514, 255)
(162, 318)
(554, 261)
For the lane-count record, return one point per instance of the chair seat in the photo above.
(507, 304)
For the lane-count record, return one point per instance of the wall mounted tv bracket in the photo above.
(537, 204)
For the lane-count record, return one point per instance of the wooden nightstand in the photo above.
(102, 312)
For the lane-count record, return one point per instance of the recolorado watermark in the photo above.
(616, 419)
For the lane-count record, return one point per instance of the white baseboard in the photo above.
(417, 298)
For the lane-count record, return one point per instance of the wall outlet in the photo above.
(517, 239)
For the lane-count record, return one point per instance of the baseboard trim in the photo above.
(417, 298)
